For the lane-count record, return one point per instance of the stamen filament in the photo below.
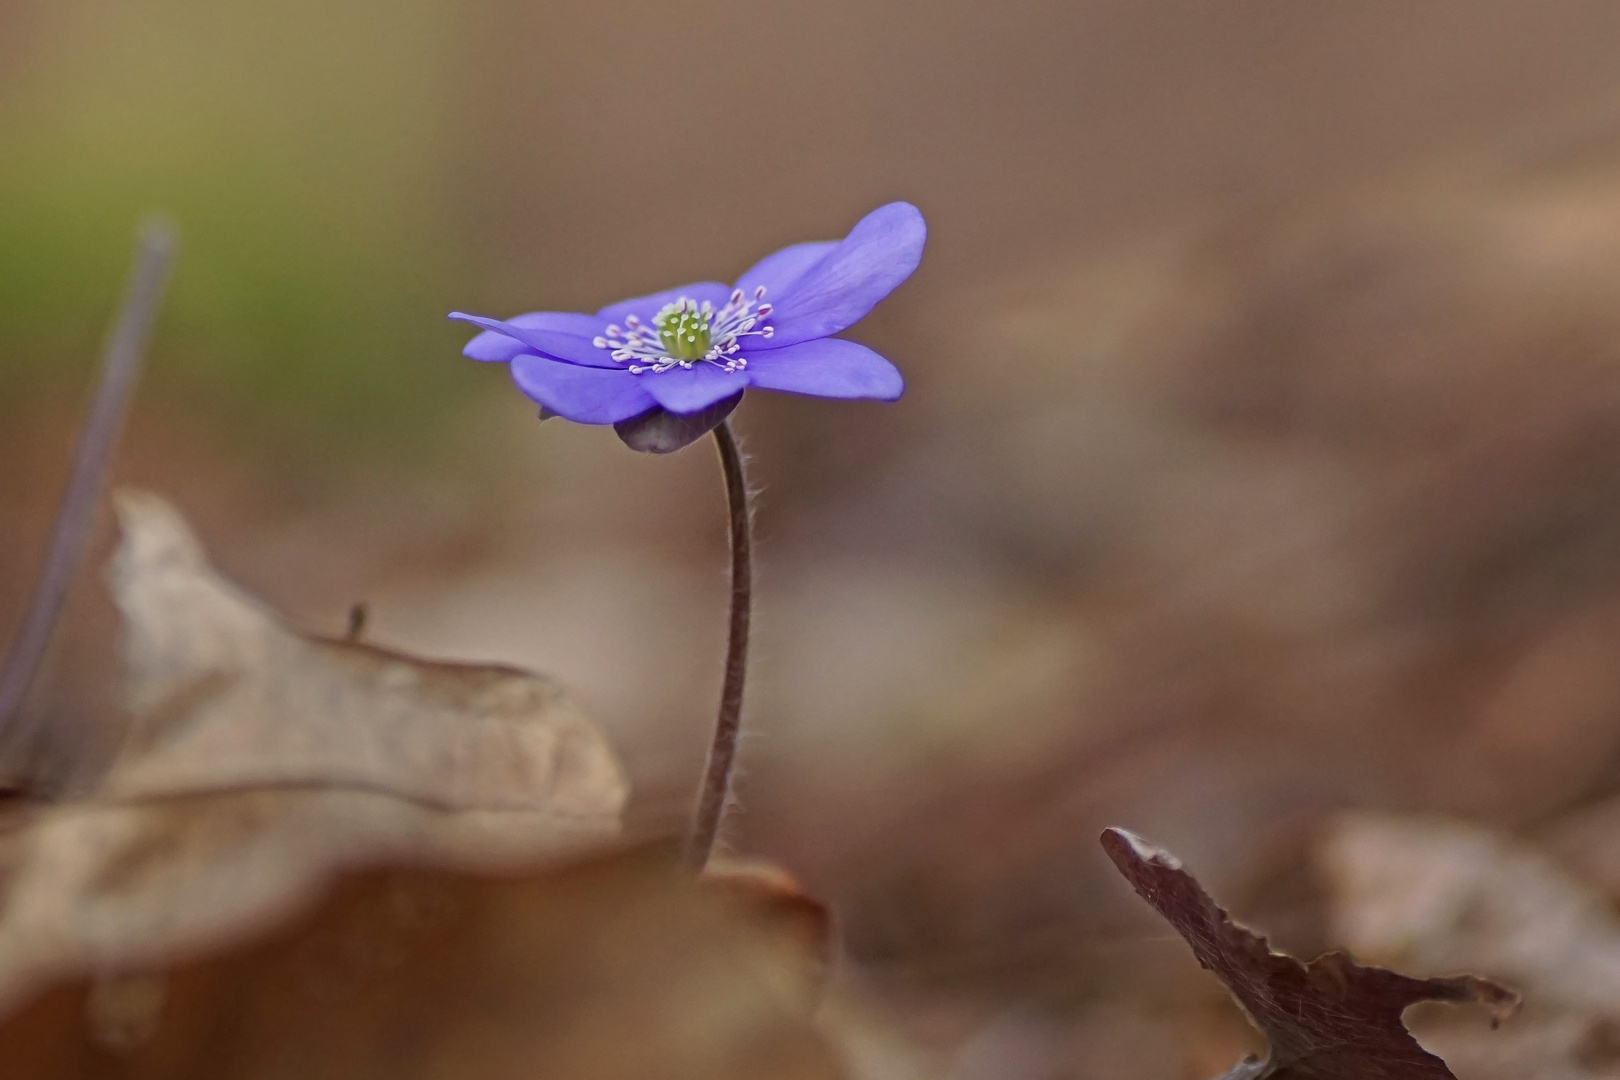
(686, 332)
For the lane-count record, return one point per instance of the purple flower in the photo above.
(666, 368)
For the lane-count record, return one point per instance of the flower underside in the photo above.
(685, 332)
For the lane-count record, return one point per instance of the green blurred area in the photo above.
(300, 149)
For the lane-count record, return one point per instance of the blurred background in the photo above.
(1260, 456)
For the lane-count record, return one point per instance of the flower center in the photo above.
(686, 332)
(683, 328)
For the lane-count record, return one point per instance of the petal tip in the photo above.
(901, 213)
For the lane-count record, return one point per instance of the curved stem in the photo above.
(716, 788)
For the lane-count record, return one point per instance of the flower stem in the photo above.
(716, 787)
(92, 456)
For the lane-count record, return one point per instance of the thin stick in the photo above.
(120, 366)
(716, 788)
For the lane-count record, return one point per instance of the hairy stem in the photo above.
(716, 788)
(120, 365)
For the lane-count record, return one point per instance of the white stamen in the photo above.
(642, 343)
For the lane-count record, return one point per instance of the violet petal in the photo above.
(779, 271)
(585, 395)
(826, 367)
(686, 390)
(844, 285)
(497, 347)
(647, 306)
(559, 344)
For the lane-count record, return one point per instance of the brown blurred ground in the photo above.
(1259, 458)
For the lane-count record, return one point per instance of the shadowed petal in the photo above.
(777, 272)
(659, 431)
(843, 285)
(686, 390)
(647, 306)
(585, 395)
(544, 336)
(826, 367)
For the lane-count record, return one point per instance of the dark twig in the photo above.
(716, 789)
(120, 366)
(358, 614)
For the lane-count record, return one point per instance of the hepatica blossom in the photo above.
(666, 368)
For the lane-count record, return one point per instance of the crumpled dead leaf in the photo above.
(261, 761)
(1434, 894)
(1330, 1019)
(619, 967)
(226, 697)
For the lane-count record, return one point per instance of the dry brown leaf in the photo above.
(226, 697)
(1331, 1019)
(1434, 895)
(618, 968)
(776, 895)
(261, 761)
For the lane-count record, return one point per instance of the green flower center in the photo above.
(687, 332)
(683, 328)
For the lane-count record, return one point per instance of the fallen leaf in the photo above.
(619, 967)
(1331, 1019)
(1434, 894)
(225, 697)
(261, 761)
(776, 895)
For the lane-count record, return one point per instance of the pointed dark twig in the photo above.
(120, 368)
(359, 612)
